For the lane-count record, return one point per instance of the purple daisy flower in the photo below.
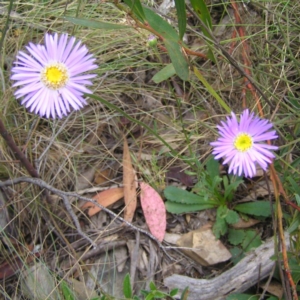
(50, 79)
(240, 143)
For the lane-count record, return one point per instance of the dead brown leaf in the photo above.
(105, 198)
(241, 224)
(130, 196)
(102, 176)
(261, 189)
(274, 288)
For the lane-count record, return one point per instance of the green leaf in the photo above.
(258, 208)
(211, 90)
(171, 40)
(232, 217)
(237, 255)
(160, 25)
(181, 15)
(200, 8)
(127, 290)
(137, 8)
(236, 236)
(179, 208)
(252, 240)
(178, 195)
(220, 227)
(212, 167)
(242, 297)
(152, 286)
(164, 74)
(149, 297)
(297, 198)
(95, 24)
(295, 270)
(294, 226)
(294, 184)
(174, 292)
(159, 295)
(232, 187)
(66, 291)
(178, 60)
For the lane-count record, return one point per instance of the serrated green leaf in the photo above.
(164, 74)
(127, 290)
(95, 24)
(220, 227)
(258, 208)
(179, 208)
(232, 217)
(178, 195)
(236, 236)
(66, 291)
(181, 16)
(137, 8)
(211, 90)
(251, 241)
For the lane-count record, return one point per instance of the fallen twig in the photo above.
(250, 270)
(43, 184)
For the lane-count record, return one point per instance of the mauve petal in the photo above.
(68, 49)
(61, 47)
(83, 77)
(81, 68)
(266, 136)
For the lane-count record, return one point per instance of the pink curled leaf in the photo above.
(154, 211)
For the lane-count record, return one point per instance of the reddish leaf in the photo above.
(104, 198)
(154, 211)
(130, 186)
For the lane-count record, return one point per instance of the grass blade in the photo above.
(181, 15)
(95, 24)
(211, 90)
(137, 9)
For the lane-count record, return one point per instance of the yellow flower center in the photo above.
(243, 142)
(55, 76)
